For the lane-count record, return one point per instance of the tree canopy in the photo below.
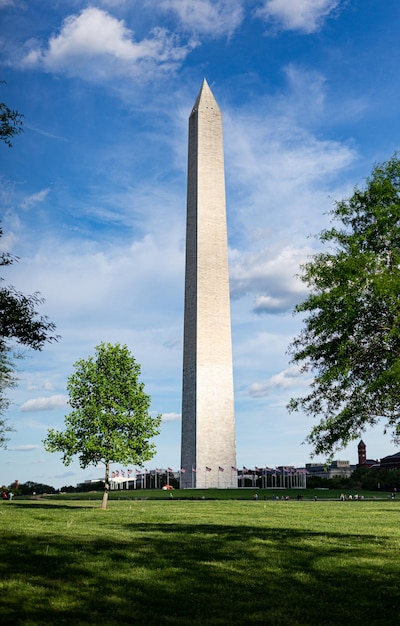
(20, 322)
(110, 419)
(20, 325)
(351, 335)
(10, 123)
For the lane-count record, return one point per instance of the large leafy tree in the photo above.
(19, 318)
(351, 335)
(20, 322)
(110, 419)
(7, 380)
(20, 325)
(10, 123)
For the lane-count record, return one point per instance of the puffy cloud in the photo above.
(45, 404)
(171, 417)
(279, 172)
(96, 46)
(302, 15)
(272, 276)
(289, 378)
(208, 17)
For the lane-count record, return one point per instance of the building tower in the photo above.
(208, 453)
(362, 453)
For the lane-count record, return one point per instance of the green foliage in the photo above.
(31, 488)
(4, 429)
(374, 478)
(19, 320)
(7, 381)
(10, 123)
(110, 421)
(351, 335)
(21, 324)
(86, 487)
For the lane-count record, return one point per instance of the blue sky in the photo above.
(93, 192)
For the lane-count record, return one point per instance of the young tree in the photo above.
(110, 421)
(351, 335)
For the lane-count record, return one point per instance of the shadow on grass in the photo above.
(46, 505)
(198, 574)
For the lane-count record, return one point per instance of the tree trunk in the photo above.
(106, 486)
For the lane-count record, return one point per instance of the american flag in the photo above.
(194, 469)
(138, 471)
(208, 469)
(233, 468)
(158, 470)
(183, 471)
(129, 472)
(221, 469)
(170, 469)
(245, 469)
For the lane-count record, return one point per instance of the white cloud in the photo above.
(289, 378)
(26, 448)
(47, 385)
(278, 169)
(303, 15)
(210, 17)
(7, 241)
(171, 417)
(96, 46)
(45, 404)
(35, 198)
(271, 274)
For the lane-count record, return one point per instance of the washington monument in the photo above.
(208, 453)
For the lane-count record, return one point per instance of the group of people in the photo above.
(350, 497)
(6, 496)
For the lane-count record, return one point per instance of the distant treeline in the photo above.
(362, 478)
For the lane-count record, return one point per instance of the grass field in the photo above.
(219, 494)
(148, 562)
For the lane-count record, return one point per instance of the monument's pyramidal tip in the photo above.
(205, 99)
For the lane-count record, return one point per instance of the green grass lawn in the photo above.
(218, 494)
(236, 562)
